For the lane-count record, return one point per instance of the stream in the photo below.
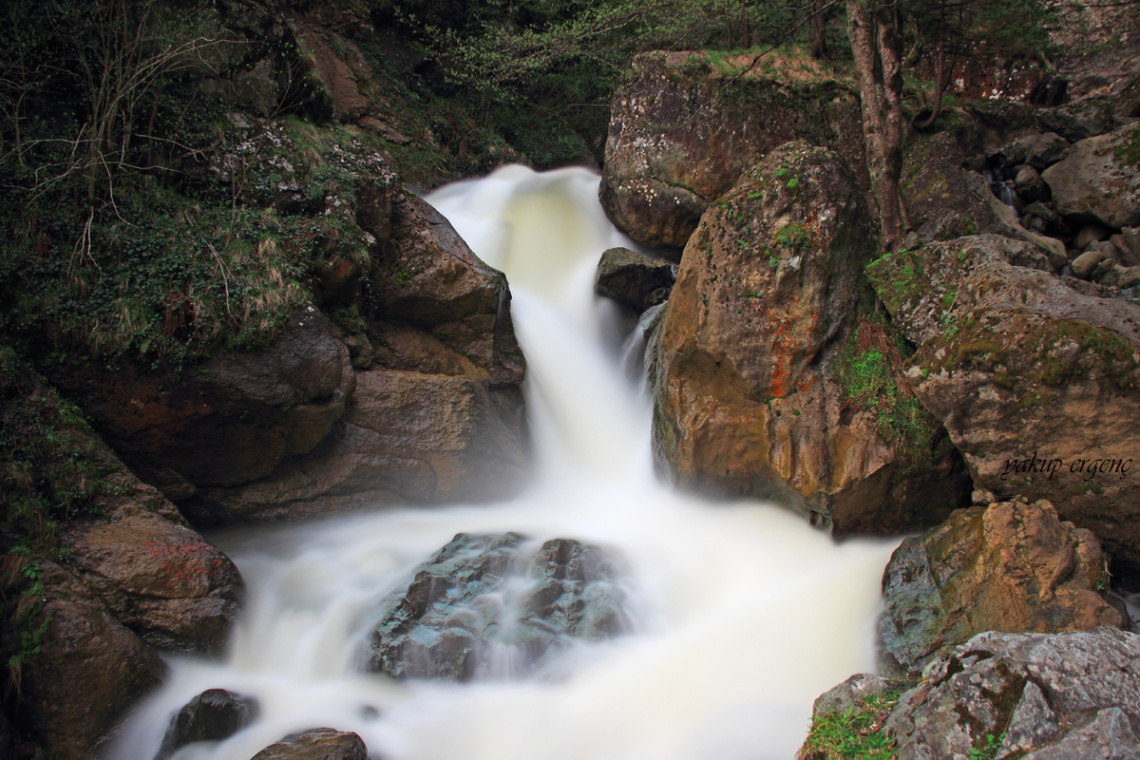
(740, 614)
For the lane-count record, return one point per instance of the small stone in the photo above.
(1084, 264)
(983, 498)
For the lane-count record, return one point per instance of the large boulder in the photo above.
(683, 129)
(228, 421)
(414, 437)
(769, 384)
(436, 410)
(1033, 695)
(936, 189)
(489, 605)
(78, 669)
(161, 579)
(429, 278)
(1100, 179)
(1009, 566)
(1029, 376)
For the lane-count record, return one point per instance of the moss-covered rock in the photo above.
(768, 384)
(1100, 179)
(1030, 377)
(684, 127)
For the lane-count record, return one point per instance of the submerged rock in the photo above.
(768, 381)
(1010, 566)
(212, 716)
(485, 606)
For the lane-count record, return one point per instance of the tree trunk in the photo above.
(876, 49)
(819, 39)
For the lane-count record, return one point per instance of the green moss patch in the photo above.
(855, 734)
(867, 369)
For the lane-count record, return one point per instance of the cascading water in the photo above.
(741, 613)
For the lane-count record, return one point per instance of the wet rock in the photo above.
(432, 280)
(409, 437)
(316, 744)
(681, 133)
(228, 421)
(1016, 362)
(634, 279)
(754, 393)
(86, 671)
(212, 716)
(1011, 566)
(1081, 687)
(160, 579)
(1100, 179)
(488, 605)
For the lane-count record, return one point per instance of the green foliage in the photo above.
(867, 371)
(987, 748)
(856, 734)
(540, 74)
(50, 467)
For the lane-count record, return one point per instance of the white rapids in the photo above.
(743, 614)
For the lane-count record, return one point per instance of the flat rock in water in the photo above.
(486, 605)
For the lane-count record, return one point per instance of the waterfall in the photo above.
(741, 613)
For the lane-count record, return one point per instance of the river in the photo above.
(741, 614)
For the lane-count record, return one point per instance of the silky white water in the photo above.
(742, 614)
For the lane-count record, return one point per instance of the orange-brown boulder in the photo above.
(1010, 566)
(769, 383)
